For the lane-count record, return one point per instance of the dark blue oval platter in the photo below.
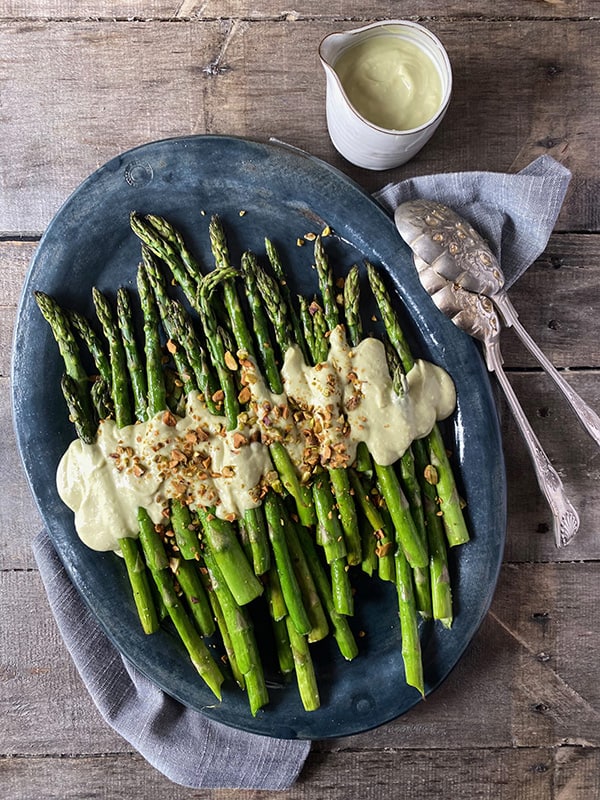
(284, 194)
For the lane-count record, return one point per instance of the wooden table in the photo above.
(519, 717)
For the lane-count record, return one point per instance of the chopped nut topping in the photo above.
(169, 419)
(239, 440)
(245, 395)
(230, 361)
(431, 474)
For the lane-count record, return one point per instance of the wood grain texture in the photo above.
(261, 79)
(504, 774)
(309, 9)
(558, 298)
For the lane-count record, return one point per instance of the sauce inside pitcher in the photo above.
(390, 81)
(388, 87)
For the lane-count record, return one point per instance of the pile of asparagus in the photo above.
(298, 549)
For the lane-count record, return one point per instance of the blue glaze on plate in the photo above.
(285, 194)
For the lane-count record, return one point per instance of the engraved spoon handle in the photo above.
(586, 415)
(565, 517)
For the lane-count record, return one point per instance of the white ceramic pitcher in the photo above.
(357, 139)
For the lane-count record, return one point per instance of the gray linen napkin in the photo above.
(514, 212)
(184, 745)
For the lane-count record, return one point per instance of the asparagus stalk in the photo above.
(185, 530)
(308, 331)
(82, 326)
(320, 333)
(185, 333)
(67, 345)
(305, 671)
(379, 530)
(407, 535)
(80, 408)
(221, 624)
(118, 360)
(412, 488)
(241, 632)
(102, 400)
(155, 379)
(174, 242)
(137, 369)
(261, 323)
(187, 576)
(165, 250)
(278, 613)
(84, 424)
(221, 537)
(341, 629)
(279, 272)
(159, 288)
(449, 500)
(138, 578)
(354, 330)
(237, 317)
(306, 581)
(198, 652)
(441, 592)
(285, 657)
(289, 582)
(411, 644)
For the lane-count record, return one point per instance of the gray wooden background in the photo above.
(519, 717)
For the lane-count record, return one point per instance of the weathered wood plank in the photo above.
(257, 79)
(505, 774)
(44, 704)
(274, 9)
(19, 517)
(576, 773)
(535, 655)
(557, 301)
(574, 455)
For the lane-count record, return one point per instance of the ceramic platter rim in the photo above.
(284, 194)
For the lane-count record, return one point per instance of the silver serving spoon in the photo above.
(458, 271)
(455, 250)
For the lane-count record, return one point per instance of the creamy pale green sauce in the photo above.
(345, 400)
(391, 82)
